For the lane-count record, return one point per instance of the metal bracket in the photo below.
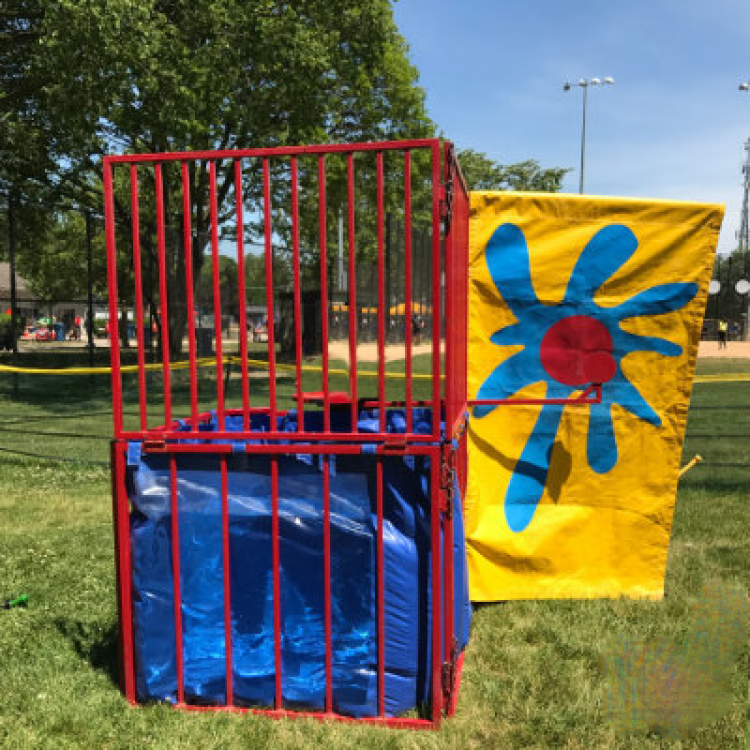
(154, 445)
(397, 447)
(447, 478)
(446, 204)
(448, 675)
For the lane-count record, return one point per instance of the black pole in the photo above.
(13, 300)
(388, 250)
(90, 286)
(716, 305)
(12, 258)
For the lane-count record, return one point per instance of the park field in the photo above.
(535, 672)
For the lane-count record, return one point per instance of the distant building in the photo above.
(25, 301)
(29, 306)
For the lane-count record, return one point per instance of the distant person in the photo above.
(723, 329)
(417, 324)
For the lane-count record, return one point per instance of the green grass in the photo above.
(534, 672)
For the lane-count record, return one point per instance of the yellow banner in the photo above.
(577, 501)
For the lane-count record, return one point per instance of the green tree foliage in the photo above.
(55, 270)
(162, 75)
(483, 173)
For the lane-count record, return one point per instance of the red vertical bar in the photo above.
(187, 243)
(327, 579)
(163, 306)
(324, 290)
(407, 287)
(436, 276)
(242, 292)
(297, 295)
(138, 296)
(173, 491)
(352, 297)
(225, 579)
(435, 594)
(269, 289)
(217, 295)
(276, 579)
(451, 329)
(381, 290)
(380, 587)
(453, 407)
(123, 569)
(109, 235)
(448, 583)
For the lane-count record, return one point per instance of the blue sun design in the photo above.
(569, 346)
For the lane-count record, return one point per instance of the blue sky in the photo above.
(673, 125)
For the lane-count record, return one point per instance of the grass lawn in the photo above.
(533, 675)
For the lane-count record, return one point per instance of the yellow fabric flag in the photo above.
(577, 500)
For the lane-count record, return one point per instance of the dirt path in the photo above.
(369, 352)
(734, 350)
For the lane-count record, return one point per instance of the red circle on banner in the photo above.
(577, 351)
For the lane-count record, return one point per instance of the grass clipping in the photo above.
(659, 687)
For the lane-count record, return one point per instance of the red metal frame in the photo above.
(394, 163)
(448, 196)
(448, 226)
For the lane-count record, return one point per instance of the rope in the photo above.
(62, 459)
(57, 434)
(726, 465)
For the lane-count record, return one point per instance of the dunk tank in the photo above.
(288, 522)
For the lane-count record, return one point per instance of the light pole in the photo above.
(584, 83)
(743, 235)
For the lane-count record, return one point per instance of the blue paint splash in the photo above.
(508, 263)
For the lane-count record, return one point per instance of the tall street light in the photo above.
(584, 83)
(743, 236)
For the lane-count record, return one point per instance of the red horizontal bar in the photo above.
(331, 148)
(390, 721)
(151, 447)
(584, 398)
(358, 437)
(313, 449)
(280, 449)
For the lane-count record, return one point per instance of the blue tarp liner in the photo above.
(406, 537)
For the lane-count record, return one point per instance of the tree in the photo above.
(161, 75)
(53, 270)
(228, 287)
(483, 173)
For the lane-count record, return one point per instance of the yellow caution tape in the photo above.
(182, 365)
(317, 368)
(203, 362)
(740, 377)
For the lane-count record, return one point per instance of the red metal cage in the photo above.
(402, 210)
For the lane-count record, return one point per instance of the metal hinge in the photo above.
(395, 446)
(446, 204)
(448, 675)
(447, 479)
(154, 445)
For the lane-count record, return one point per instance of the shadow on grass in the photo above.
(95, 645)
